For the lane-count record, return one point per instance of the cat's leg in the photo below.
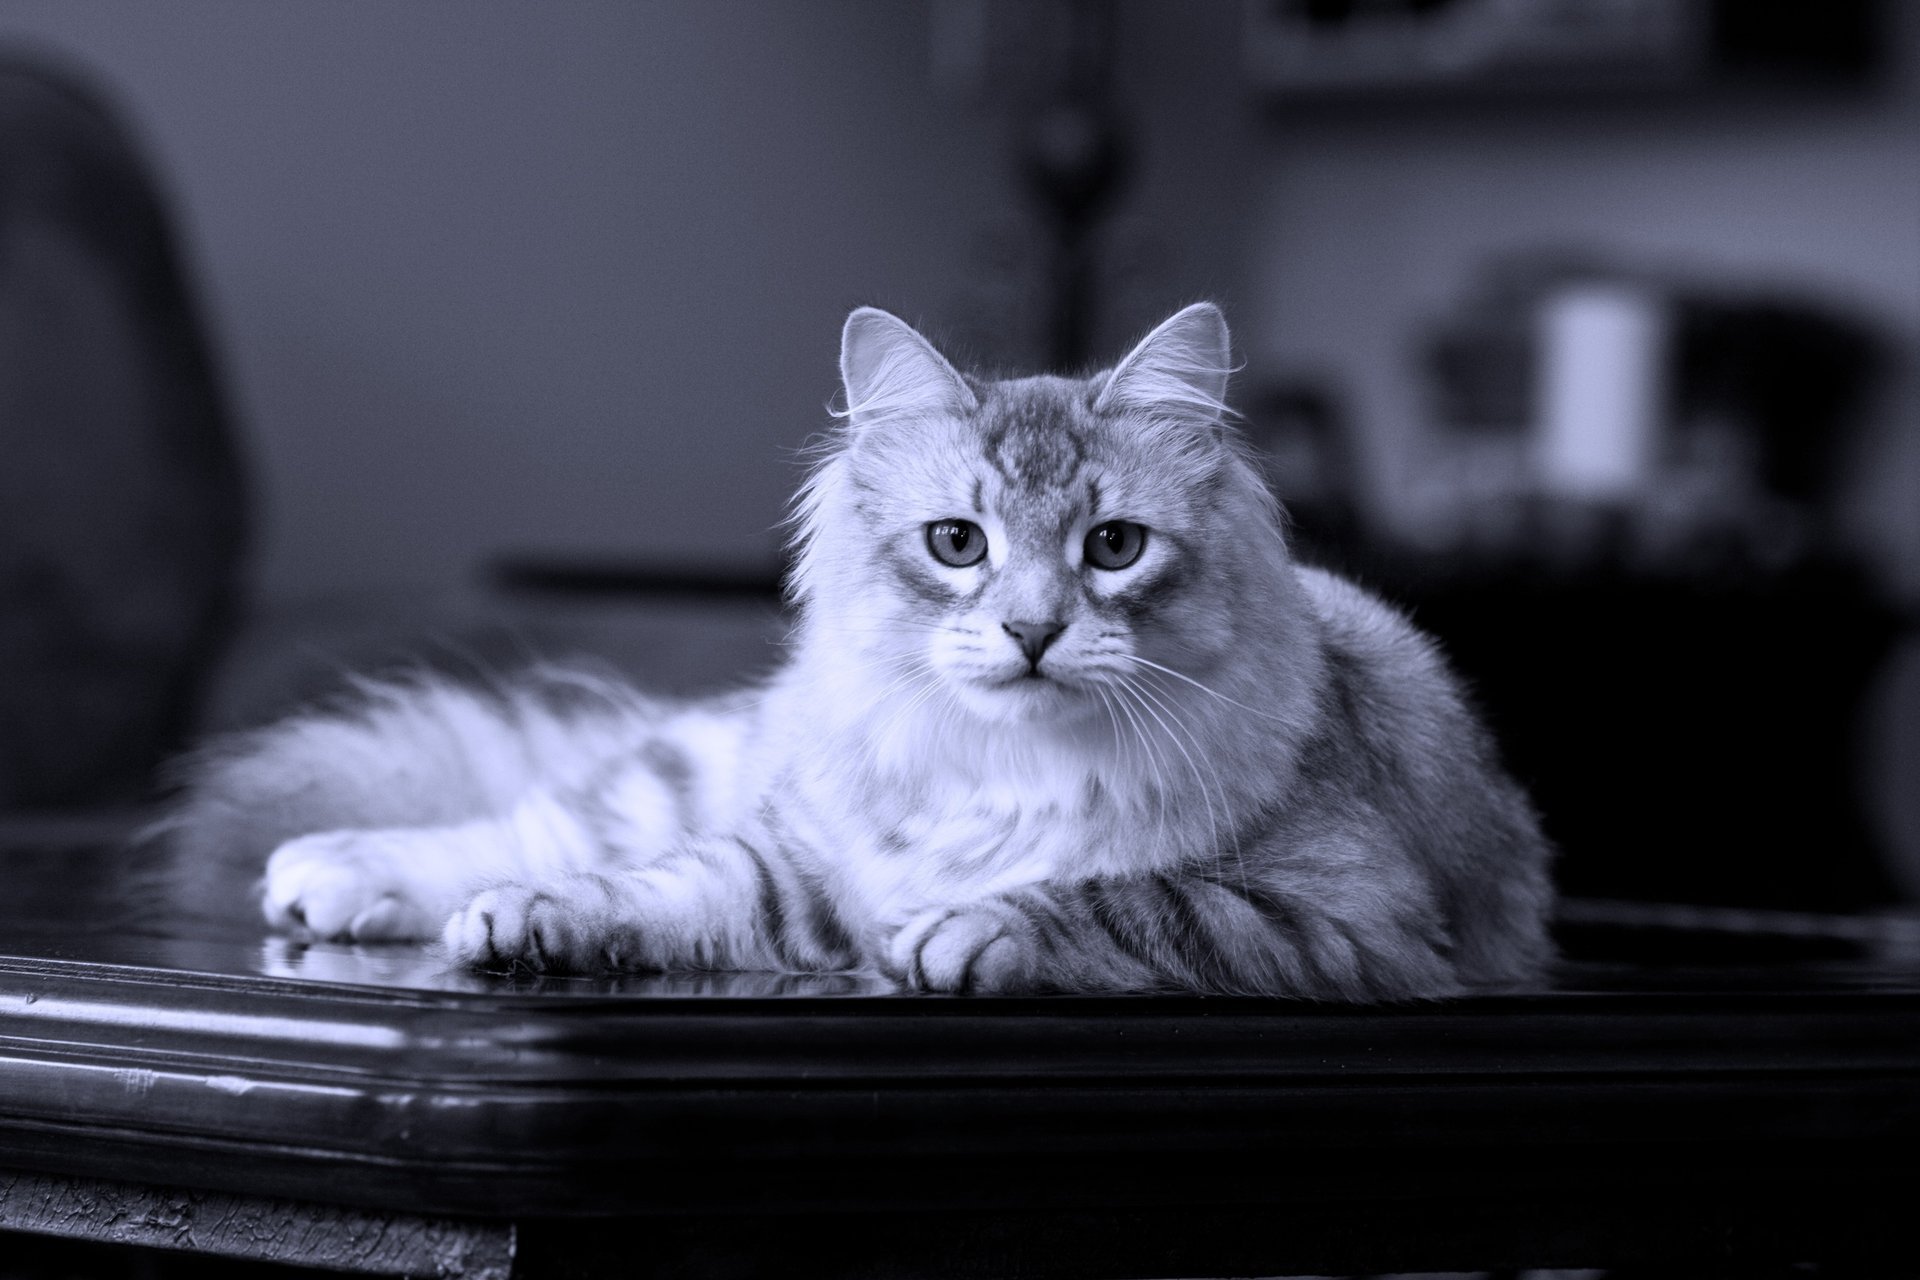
(711, 903)
(1325, 928)
(401, 883)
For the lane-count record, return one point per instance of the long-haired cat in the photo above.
(1060, 714)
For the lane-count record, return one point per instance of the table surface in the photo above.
(1761, 1104)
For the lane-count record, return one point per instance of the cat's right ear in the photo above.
(888, 370)
(1181, 367)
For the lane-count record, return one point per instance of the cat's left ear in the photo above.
(889, 370)
(1181, 367)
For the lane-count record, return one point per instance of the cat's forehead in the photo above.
(1036, 443)
(1033, 450)
(1037, 433)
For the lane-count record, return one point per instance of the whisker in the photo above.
(1154, 705)
(1148, 662)
(917, 675)
(1123, 758)
(1123, 749)
(883, 625)
(1163, 788)
(930, 685)
(1233, 834)
(1168, 703)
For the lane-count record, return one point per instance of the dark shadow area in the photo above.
(122, 515)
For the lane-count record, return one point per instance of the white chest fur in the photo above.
(894, 843)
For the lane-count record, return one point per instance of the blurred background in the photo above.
(332, 332)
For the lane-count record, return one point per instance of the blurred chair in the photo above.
(123, 516)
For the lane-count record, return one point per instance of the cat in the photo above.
(1060, 714)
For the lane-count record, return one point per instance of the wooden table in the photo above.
(365, 1109)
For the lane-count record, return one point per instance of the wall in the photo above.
(494, 276)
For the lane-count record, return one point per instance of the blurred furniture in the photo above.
(1424, 51)
(122, 517)
(1073, 156)
(362, 1109)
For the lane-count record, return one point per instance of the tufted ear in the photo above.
(1180, 367)
(889, 370)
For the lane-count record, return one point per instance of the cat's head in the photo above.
(1027, 549)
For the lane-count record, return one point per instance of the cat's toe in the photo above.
(971, 950)
(487, 932)
(330, 885)
(1001, 967)
(310, 887)
(516, 927)
(391, 919)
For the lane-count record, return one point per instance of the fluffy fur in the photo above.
(1223, 772)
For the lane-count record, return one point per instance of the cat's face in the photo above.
(1034, 553)
(1038, 549)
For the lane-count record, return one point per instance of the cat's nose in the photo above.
(1034, 637)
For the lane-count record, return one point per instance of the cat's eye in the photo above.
(956, 542)
(1115, 544)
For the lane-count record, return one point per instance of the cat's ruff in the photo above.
(1060, 714)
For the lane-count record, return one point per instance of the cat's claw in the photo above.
(970, 949)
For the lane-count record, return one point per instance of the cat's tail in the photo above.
(416, 751)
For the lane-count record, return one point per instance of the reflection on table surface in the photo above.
(388, 967)
(424, 968)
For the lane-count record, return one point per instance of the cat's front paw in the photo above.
(978, 948)
(346, 886)
(547, 930)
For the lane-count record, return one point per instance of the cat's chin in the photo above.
(1025, 700)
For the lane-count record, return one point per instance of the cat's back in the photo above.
(1415, 749)
(1362, 630)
